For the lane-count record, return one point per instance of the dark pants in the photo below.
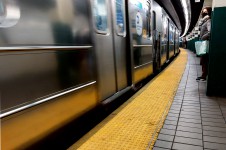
(204, 62)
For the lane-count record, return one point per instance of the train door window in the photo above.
(2, 11)
(120, 17)
(175, 34)
(168, 30)
(100, 16)
(164, 28)
(154, 20)
(9, 13)
(172, 34)
(148, 19)
(154, 25)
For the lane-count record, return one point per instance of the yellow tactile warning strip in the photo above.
(133, 126)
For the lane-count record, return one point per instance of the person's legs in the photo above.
(204, 71)
(204, 63)
(204, 67)
(201, 63)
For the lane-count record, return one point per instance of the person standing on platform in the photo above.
(205, 26)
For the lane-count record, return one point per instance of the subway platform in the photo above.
(195, 121)
(171, 112)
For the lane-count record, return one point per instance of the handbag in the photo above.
(202, 47)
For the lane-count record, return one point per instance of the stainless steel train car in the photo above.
(59, 59)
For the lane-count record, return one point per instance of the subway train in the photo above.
(60, 59)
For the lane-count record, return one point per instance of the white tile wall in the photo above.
(219, 3)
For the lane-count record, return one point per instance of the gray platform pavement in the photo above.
(195, 121)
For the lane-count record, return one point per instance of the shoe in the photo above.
(201, 80)
(198, 78)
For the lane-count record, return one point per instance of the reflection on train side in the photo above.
(9, 13)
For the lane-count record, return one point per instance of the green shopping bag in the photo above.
(202, 47)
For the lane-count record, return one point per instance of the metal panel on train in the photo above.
(46, 47)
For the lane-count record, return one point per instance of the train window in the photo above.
(9, 13)
(168, 29)
(100, 16)
(175, 35)
(172, 34)
(154, 20)
(172, 37)
(2, 11)
(120, 20)
(148, 18)
(154, 25)
(164, 27)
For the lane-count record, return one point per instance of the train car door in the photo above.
(103, 42)
(140, 39)
(120, 48)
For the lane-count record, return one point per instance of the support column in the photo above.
(216, 82)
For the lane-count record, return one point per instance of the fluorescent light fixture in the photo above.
(187, 14)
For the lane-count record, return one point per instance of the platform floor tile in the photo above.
(201, 123)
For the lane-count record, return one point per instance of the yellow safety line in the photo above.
(134, 124)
